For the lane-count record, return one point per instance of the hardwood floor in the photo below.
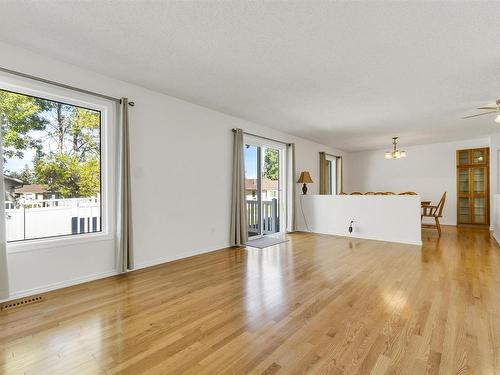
(316, 304)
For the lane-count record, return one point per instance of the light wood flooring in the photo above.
(317, 304)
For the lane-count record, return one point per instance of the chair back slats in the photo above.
(440, 206)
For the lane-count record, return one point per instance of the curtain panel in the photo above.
(323, 183)
(125, 251)
(239, 227)
(291, 225)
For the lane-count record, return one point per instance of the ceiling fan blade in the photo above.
(479, 114)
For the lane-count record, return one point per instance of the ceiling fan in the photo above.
(490, 108)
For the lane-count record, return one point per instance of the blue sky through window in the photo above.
(250, 154)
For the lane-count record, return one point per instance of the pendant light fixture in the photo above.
(395, 153)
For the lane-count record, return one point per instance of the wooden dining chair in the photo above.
(389, 193)
(356, 193)
(370, 193)
(342, 193)
(408, 193)
(379, 193)
(434, 211)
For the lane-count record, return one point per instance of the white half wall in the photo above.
(428, 170)
(181, 157)
(375, 217)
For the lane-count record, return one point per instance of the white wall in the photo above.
(428, 170)
(181, 175)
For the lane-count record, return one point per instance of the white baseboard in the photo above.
(59, 285)
(495, 237)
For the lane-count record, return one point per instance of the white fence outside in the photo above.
(51, 217)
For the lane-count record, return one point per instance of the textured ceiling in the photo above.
(347, 74)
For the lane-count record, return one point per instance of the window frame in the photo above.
(108, 131)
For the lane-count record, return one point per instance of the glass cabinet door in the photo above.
(479, 178)
(480, 211)
(463, 157)
(463, 181)
(464, 210)
(473, 186)
(479, 156)
(479, 194)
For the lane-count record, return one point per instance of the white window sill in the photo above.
(55, 242)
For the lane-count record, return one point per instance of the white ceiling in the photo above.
(347, 74)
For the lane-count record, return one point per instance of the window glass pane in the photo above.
(252, 186)
(52, 167)
(328, 177)
(333, 176)
(270, 190)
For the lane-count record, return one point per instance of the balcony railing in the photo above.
(270, 216)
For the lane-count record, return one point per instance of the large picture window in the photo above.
(52, 167)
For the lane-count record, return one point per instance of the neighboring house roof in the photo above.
(267, 184)
(12, 179)
(33, 189)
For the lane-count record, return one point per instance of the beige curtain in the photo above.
(125, 253)
(4, 274)
(239, 227)
(323, 183)
(290, 190)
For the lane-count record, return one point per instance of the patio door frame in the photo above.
(262, 143)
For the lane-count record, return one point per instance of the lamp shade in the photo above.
(305, 178)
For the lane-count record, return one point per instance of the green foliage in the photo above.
(85, 133)
(271, 165)
(27, 176)
(19, 115)
(69, 176)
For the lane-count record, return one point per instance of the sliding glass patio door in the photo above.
(264, 187)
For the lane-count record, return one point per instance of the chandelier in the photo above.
(395, 153)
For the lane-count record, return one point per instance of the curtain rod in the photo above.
(269, 139)
(335, 156)
(64, 86)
